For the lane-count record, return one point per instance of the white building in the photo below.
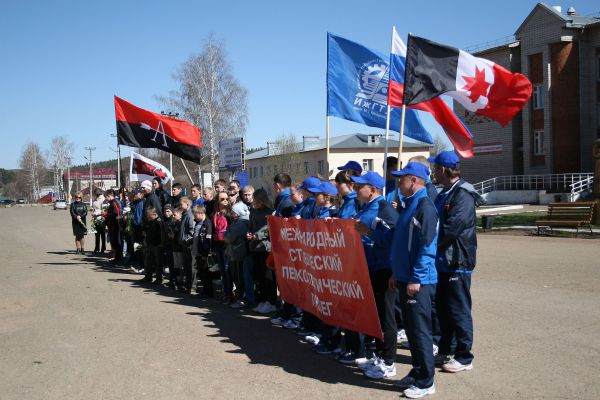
(308, 158)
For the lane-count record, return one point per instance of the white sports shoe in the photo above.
(436, 350)
(278, 321)
(455, 366)
(401, 335)
(414, 392)
(290, 324)
(313, 339)
(368, 363)
(268, 308)
(258, 307)
(381, 371)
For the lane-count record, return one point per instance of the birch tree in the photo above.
(210, 97)
(33, 164)
(61, 150)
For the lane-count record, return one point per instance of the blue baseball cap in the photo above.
(413, 168)
(351, 165)
(370, 178)
(447, 159)
(310, 182)
(325, 187)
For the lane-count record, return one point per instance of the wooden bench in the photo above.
(568, 215)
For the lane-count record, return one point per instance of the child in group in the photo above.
(186, 237)
(168, 223)
(173, 235)
(220, 221)
(154, 240)
(113, 215)
(237, 248)
(201, 246)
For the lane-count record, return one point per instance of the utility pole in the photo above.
(170, 115)
(68, 191)
(90, 149)
(118, 161)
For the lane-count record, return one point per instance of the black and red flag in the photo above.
(479, 85)
(137, 127)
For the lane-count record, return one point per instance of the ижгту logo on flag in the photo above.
(373, 87)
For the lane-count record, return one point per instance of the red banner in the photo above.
(321, 268)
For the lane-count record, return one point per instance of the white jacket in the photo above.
(97, 205)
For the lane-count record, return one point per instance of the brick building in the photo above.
(560, 53)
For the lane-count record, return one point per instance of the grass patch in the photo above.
(522, 219)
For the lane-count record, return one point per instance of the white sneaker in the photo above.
(238, 304)
(313, 339)
(381, 371)
(436, 350)
(401, 335)
(278, 321)
(290, 324)
(404, 344)
(456, 366)
(258, 307)
(414, 392)
(368, 363)
(268, 308)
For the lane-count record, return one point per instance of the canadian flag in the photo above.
(479, 85)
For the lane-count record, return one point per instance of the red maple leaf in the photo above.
(477, 86)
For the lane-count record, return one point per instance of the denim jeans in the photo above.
(249, 279)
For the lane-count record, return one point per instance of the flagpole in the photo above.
(400, 147)
(186, 171)
(171, 169)
(387, 119)
(327, 145)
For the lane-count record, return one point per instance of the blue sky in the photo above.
(61, 62)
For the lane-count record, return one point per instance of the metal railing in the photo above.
(579, 187)
(475, 48)
(558, 183)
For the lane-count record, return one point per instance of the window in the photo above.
(306, 167)
(250, 173)
(320, 166)
(261, 171)
(367, 164)
(598, 64)
(538, 143)
(538, 97)
(255, 170)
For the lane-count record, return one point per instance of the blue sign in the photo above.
(357, 88)
(242, 176)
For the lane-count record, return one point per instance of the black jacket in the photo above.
(163, 196)
(204, 239)
(457, 241)
(151, 200)
(175, 201)
(78, 209)
(154, 232)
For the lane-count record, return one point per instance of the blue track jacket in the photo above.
(380, 217)
(414, 244)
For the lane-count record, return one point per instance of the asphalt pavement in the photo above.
(75, 327)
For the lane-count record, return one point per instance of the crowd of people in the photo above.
(420, 247)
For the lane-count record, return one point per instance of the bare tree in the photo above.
(34, 165)
(61, 150)
(439, 144)
(210, 97)
(284, 157)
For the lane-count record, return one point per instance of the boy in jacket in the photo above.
(456, 256)
(201, 246)
(186, 237)
(237, 248)
(154, 240)
(414, 248)
(376, 219)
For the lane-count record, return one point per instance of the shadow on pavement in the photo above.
(251, 333)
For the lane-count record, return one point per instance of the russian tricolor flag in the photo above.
(456, 131)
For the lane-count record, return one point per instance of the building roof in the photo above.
(571, 21)
(351, 141)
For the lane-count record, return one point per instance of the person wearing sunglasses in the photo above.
(79, 212)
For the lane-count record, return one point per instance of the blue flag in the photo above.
(357, 88)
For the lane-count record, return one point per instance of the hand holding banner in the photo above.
(321, 268)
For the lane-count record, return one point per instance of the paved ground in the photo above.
(71, 327)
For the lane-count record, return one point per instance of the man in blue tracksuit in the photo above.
(283, 202)
(377, 219)
(413, 264)
(455, 261)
